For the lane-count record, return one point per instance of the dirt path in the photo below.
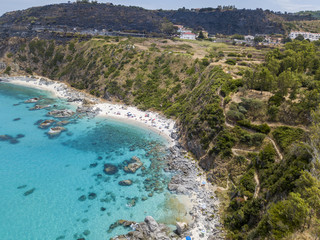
(275, 147)
(257, 189)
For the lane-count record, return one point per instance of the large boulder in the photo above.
(61, 113)
(151, 223)
(181, 227)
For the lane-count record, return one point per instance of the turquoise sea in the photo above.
(56, 188)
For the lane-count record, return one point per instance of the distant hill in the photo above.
(135, 19)
(313, 14)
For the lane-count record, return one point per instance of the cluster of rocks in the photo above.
(204, 213)
(64, 113)
(188, 181)
(11, 139)
(134, 165)
(149, 229)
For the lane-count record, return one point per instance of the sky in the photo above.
(276, 5)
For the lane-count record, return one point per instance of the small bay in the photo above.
(55, 187)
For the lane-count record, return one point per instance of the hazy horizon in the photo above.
(275, 5)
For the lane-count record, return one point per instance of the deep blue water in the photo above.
(42, 178)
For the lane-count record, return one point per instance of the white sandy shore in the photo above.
(129, 114)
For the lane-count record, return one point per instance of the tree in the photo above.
(288, 215)
(315, 142)
(258, 39)
(201, 36)
(168, 28)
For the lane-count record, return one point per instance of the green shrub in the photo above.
(8, 70)
(285, 136)
(231, 62)
(262, 128)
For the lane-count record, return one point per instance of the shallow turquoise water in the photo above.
(42, 178)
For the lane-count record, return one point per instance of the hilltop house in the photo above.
(188, 35)
(306, 35)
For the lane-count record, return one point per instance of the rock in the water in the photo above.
(64, 122)
(32, 100)
(56, 131)
(61, 113)
(93, 165)
(110, 169)
(92, 196)
(38, 107)
(152, 224)
(181, 227)
(5, 137)
(46, 123)
(20, 135)
(29, 192)
(82, 198)
(133, 166)
(125, 182)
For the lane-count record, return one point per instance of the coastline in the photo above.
(189, 180)
(128, 114)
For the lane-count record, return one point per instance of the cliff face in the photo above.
(135, 19)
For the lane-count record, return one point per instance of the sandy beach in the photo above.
(129, 114)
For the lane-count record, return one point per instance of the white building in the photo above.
(249, 38)
(306, 35)
(188, 35)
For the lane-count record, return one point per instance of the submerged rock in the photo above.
(82, 198)
(29, 192)
(64, 122)
(110, 169)
(39, 107)
(125, 183)
(32, 100)
(92, 196)
(133, 166)
(5, 137)
(20, 135)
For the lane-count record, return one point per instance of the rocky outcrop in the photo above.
(54, 131)
(65, 113)
(134, 165)
(46, 123)
(32, 100)
(149, 229)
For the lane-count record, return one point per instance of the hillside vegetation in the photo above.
(255, 129)
(135, 19)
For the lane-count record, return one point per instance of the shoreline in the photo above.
(127, 114)
(189, 181)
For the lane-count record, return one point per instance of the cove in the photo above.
(55, 187)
